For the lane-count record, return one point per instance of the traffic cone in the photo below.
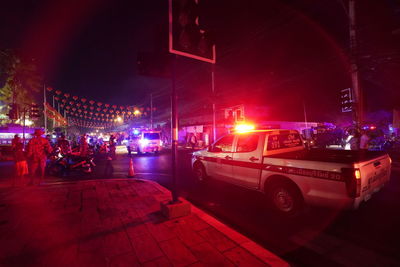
(131, 172)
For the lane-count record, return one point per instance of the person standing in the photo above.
(83, 146)
(38, 149)
(109, 169)
(364, 140)
(355, 141)
(64, 145)
(193, 140)
(112, 146)
(21, 166)
(15, 141)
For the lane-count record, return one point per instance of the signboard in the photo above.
(346, 99)
(282, 140)
(194, 129)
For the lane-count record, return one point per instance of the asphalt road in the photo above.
(368, 236)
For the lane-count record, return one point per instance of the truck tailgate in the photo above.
(374, 174)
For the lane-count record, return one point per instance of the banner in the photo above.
(52, 113)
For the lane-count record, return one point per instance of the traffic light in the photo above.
(187, 37)
(235, 114)
(13, 113)
(34, 111)
(346, 100)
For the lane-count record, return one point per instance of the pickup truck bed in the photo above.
(337, 156)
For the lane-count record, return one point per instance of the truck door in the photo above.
(247, 158)
(220, 160)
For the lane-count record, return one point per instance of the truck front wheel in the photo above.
(285, 198)
(199, 172)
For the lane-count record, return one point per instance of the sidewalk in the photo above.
(114, 223)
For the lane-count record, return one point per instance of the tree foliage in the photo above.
(19, 79)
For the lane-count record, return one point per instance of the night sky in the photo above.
(277, 54)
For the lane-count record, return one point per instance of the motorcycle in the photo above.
(61, 164)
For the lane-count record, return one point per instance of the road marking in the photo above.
(153, 173)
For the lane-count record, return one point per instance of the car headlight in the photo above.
(143, 142)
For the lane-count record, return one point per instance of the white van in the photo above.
(146, 141)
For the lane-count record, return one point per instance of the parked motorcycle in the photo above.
(63, 165)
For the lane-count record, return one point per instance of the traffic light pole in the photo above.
(358, 101)
(174, 133)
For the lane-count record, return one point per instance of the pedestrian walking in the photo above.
(21, 166)
(38, 149)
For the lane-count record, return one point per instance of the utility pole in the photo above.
(44, 109)
(151, 111)
(54, 120)
(66, 126)
(305, 114)
(213, 104)
(358, 97)
(23, 127)
(14, 102)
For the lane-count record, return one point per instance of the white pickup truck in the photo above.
(276, 163)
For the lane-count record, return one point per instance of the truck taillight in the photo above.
(357, 174)
(352, 178)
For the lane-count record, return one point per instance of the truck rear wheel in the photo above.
(199, 172)
(285, 198)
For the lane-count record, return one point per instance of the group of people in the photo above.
(353, 139)
(358, 141)
(32, 159)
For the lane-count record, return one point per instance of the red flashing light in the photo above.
(242, 128)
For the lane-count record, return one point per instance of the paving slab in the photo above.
(114, 223)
